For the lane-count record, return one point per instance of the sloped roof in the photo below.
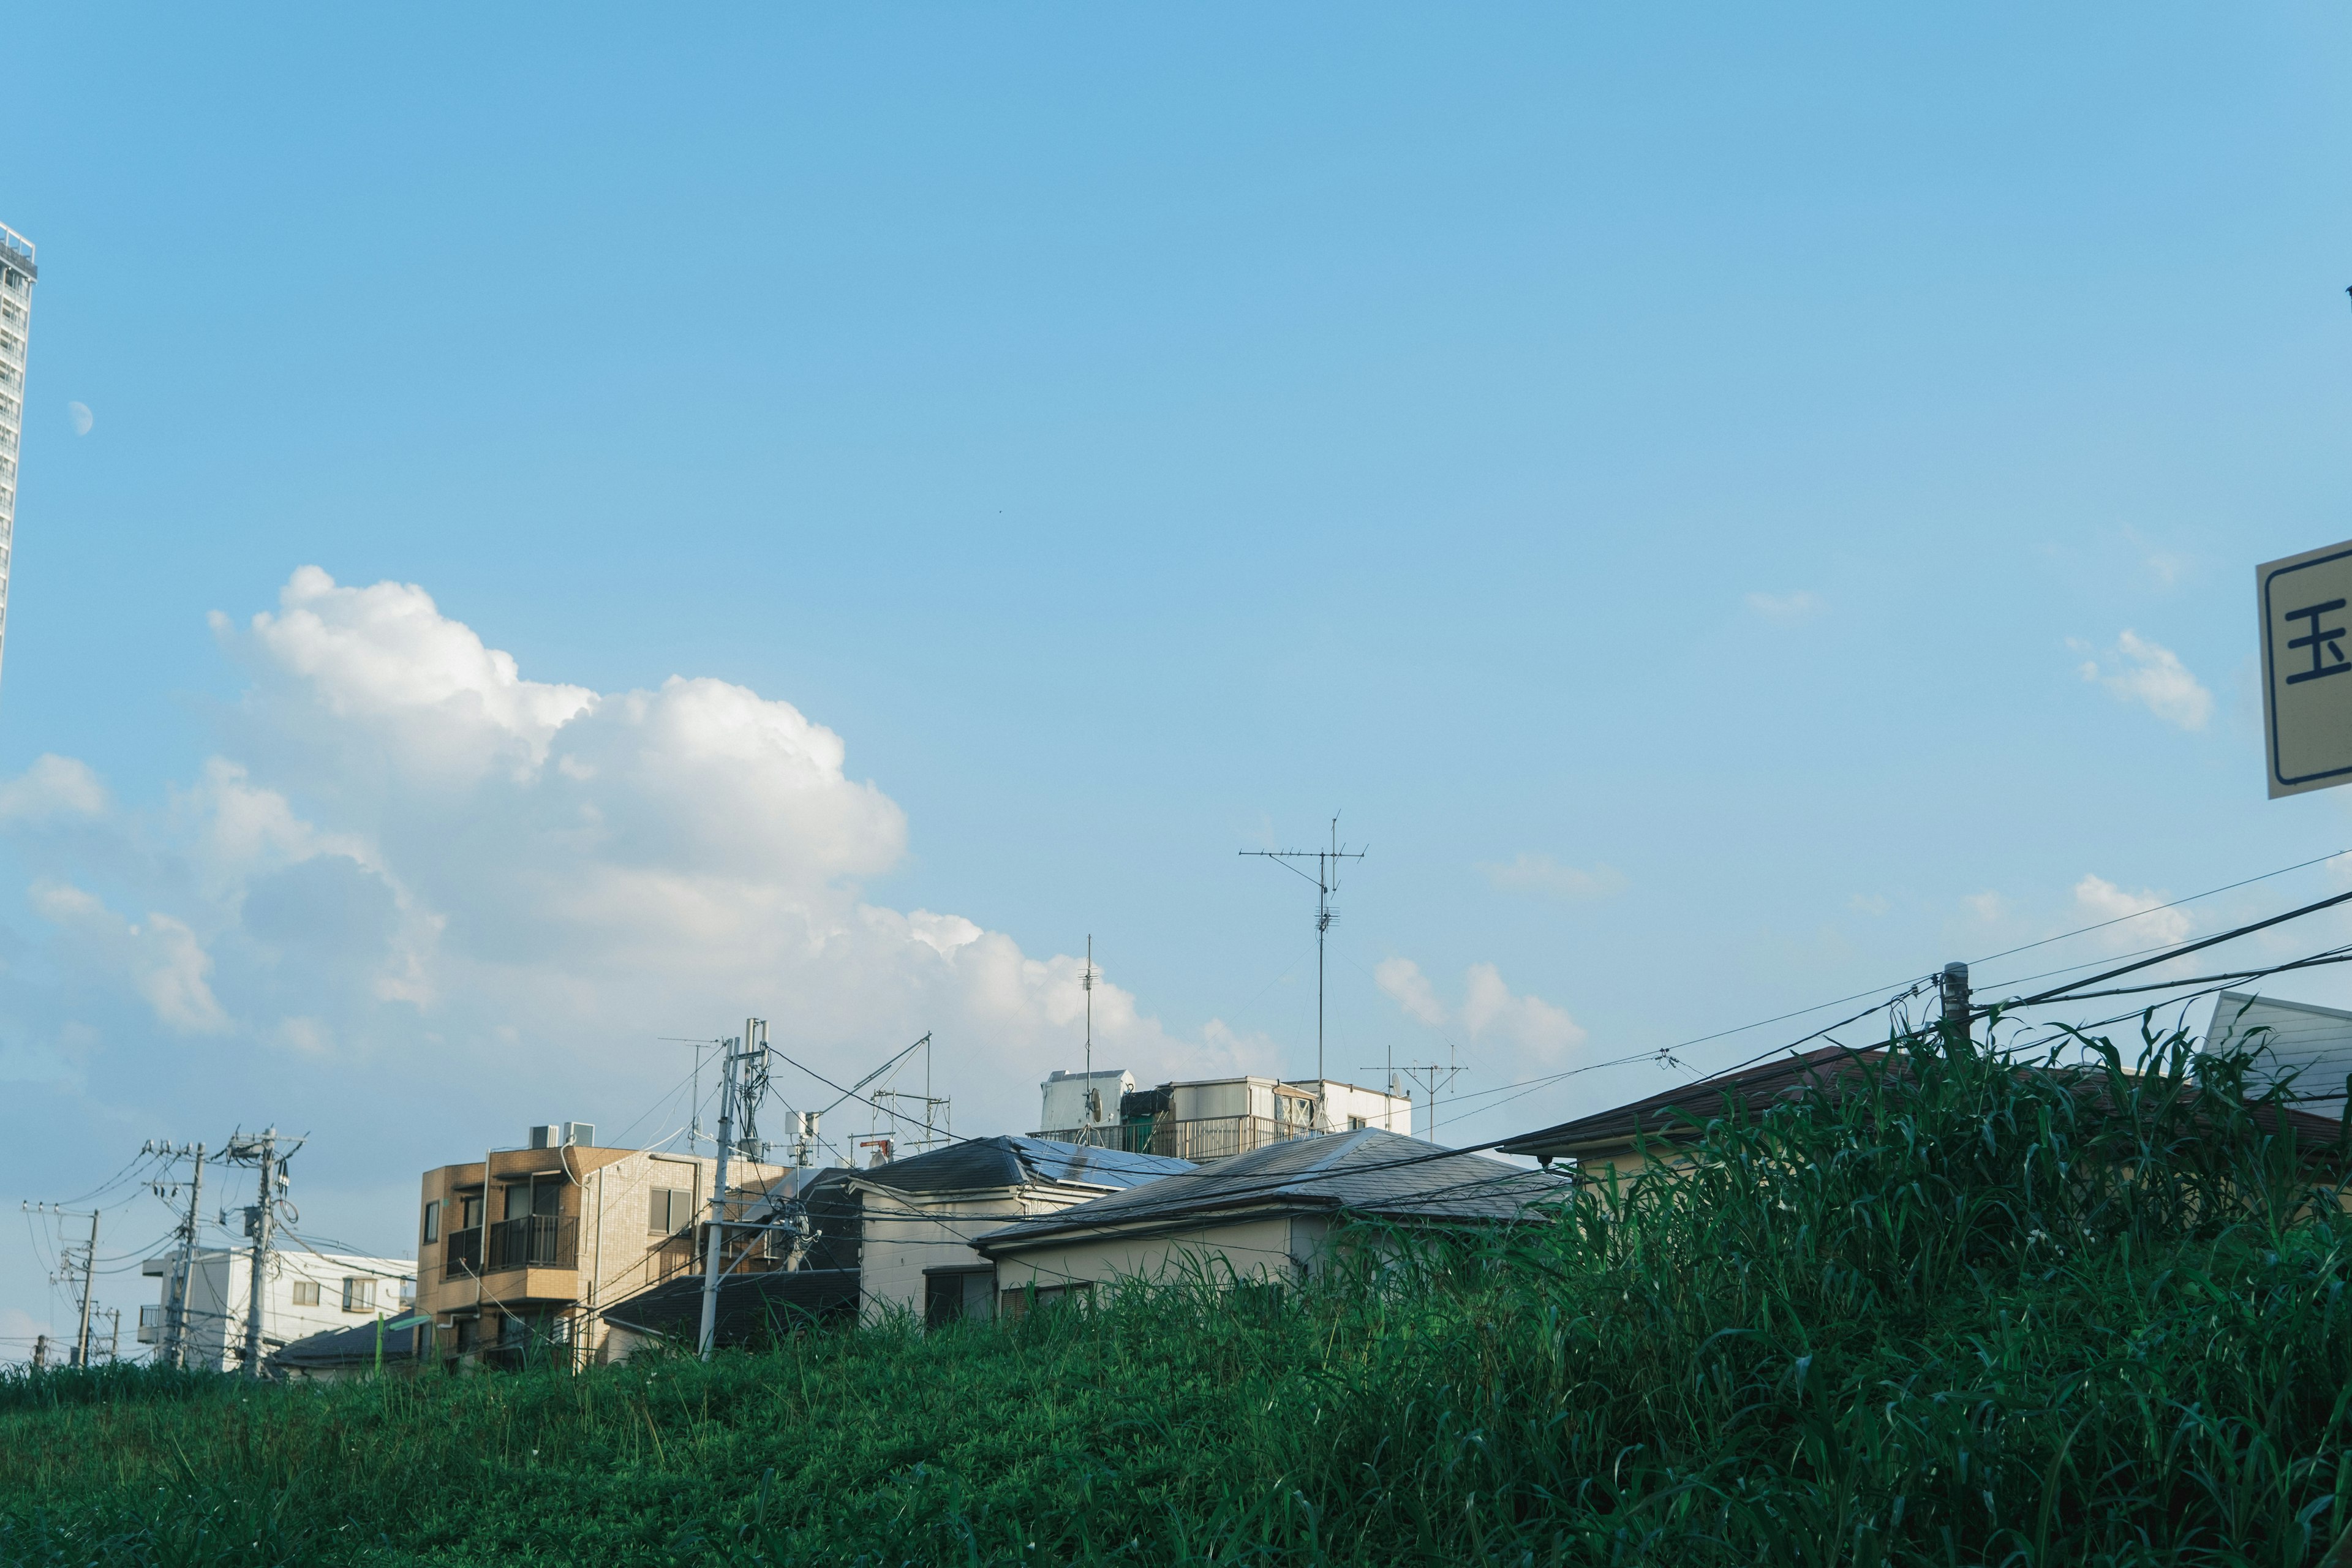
(747, 1304)
(1014, 1162)
(1366, 1172)
(1669, 1114)
(1682, 1114)
(354, 1346)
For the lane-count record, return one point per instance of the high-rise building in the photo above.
(16, 275)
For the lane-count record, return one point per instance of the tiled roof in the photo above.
(1367, 1172)
(748, 1303)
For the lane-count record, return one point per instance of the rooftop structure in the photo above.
(16, 275)
(1214, 1119)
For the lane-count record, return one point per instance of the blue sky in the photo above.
(1663, 475)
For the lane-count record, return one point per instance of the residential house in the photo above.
(1271, 1215)
(1622, 1142)
(803, 1269)
(1202, 1120)
(919, 1215)
(361, 1350)
(303, 1293)
(520, 1252)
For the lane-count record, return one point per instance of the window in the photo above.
(1356, 1124)
(432, 1220)
(669, 1210)
(359, 1294)
(469, 1213)
(305, 1292)
(518, 1201)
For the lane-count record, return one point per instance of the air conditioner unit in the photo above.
(544, 1137)
(582, 1134)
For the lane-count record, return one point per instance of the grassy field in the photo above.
(1986, 1313)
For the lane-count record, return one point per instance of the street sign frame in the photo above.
(2306, 733)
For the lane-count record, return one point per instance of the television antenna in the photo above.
(1325, 878)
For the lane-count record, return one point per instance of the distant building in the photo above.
(520, 1252)
(1269, 1217)
(2312, 1043)
(1217, 1119)
(304, 1293)
(16, 275)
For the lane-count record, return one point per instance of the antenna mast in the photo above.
(1086, 984)
(1326, 878)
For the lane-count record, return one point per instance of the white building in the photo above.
(304, 1293)
(16, 275)
(1077, 1104)
(919, 1215)
(1217, 1119)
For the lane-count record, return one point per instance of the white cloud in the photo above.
(1874, 905)
(2098, 900)
(1532, 1027)
(2151, 674)
(1987, 906)
(1542, 874)
(1402, 980)
(163, 962)
(1787, 609)
(52, 788)
(410, 852)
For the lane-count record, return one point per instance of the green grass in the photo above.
(1984, 1313)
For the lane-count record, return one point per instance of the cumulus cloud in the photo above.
(1542, 874)
(1490, 1010)
(411, 853)
(53, 788)
(2098, 900)
(2149, 674)
(1787, 609)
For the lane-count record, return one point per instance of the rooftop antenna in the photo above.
(1326, 878)
(1086, 984)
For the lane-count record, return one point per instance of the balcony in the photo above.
(461, 1256)
(1200, 1139)
(536, 1241)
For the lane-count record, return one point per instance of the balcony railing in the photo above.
(1199, 1139)
(536, 1241)
(461, 1254)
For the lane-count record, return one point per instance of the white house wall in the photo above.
(1280, 1250)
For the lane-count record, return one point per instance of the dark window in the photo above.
(517, 1201)
(671, 1209)
(942, 1300)
(432, 1220)
(546, 1198)
(469, 1213)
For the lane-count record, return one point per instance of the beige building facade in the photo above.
(518, 1252)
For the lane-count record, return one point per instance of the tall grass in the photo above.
(1978, 1312)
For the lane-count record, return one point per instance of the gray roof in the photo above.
(1013, 1161)
(750, 1306)
(1367, 1172)
(354, 1346)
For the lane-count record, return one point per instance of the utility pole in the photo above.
(78, 1355)
(41, 1352)
(1326, 878)
(1953, 988)
(88, 1268)
(260, 1149)
(175, 1306)
(1094, 1100)
(754, 1030)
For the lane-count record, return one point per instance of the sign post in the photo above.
(2306, 603)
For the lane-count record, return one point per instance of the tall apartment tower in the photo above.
(16, 275)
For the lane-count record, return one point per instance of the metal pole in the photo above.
(175, 1325)
(88, 1268)
(734, 1050)
(261, 1253)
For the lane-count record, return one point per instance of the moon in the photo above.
(80, 415)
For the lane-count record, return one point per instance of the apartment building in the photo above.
(520, 1252)
(303, 1293)
(1203, 1120)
